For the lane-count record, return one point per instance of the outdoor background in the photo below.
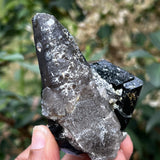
(125, 32)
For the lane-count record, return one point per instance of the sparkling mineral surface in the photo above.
(86, 104)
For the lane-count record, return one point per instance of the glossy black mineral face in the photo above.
(85, 103)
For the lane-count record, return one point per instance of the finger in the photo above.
(78, 157)
(120, 155)
(52, 147)
(127, 147)
(24, 155)
(43, 145)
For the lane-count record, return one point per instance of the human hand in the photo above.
(45, 147)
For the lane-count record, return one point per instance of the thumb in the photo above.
(43, 146)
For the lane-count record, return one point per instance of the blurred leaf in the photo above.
(136, 141)
(153, 71)
(99, 55)
(27, 118)
(155, 39)
(88, 52)
(147, 111)
(31, 67)
(11, 57)
(105, 32)
(67, 5)
(153, 121)
(147, 88)
(140, 54)
(8, 94)
(61, 154)
(138, 38)
(157, 156)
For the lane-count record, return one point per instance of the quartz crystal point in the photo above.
(88, 105)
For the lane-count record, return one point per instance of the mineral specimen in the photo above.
(88, 105)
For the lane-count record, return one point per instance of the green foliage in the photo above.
(153, 71)
(136, 142)
(11, 57)
(67, 5)
(140, 54)
(126, 35)
(31, 67)
(155, 39)
(105, 32)
(139, 38)
(153, 121)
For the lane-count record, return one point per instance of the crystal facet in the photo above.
(88, 105)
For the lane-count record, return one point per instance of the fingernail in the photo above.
(38, 137)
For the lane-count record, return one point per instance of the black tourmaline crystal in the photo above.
(87, 105)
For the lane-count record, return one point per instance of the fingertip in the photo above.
(120, 155)
(38, 138)
(41, 128)
(127, 147)
(52, 147)
(38, 143)
(44, 145)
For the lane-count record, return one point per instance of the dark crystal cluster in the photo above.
(88, 105)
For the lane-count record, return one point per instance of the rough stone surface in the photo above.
(78, 101)
(129, 85)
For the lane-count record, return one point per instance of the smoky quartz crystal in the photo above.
(88, 105)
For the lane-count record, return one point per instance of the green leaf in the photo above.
(138, 38)
(12, 57)
(140, 54)
(105, 32)
(67, 5)
(88, 52)
(155, 39)
(99, 55)
(61, 154)
(153, 71)
(136, 141)
(147, 88)
(157, 156)
(147, 111)
(27, 118)
(153, 121)
(31, 67)
(7, 94)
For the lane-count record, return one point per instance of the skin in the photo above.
(44, 147)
